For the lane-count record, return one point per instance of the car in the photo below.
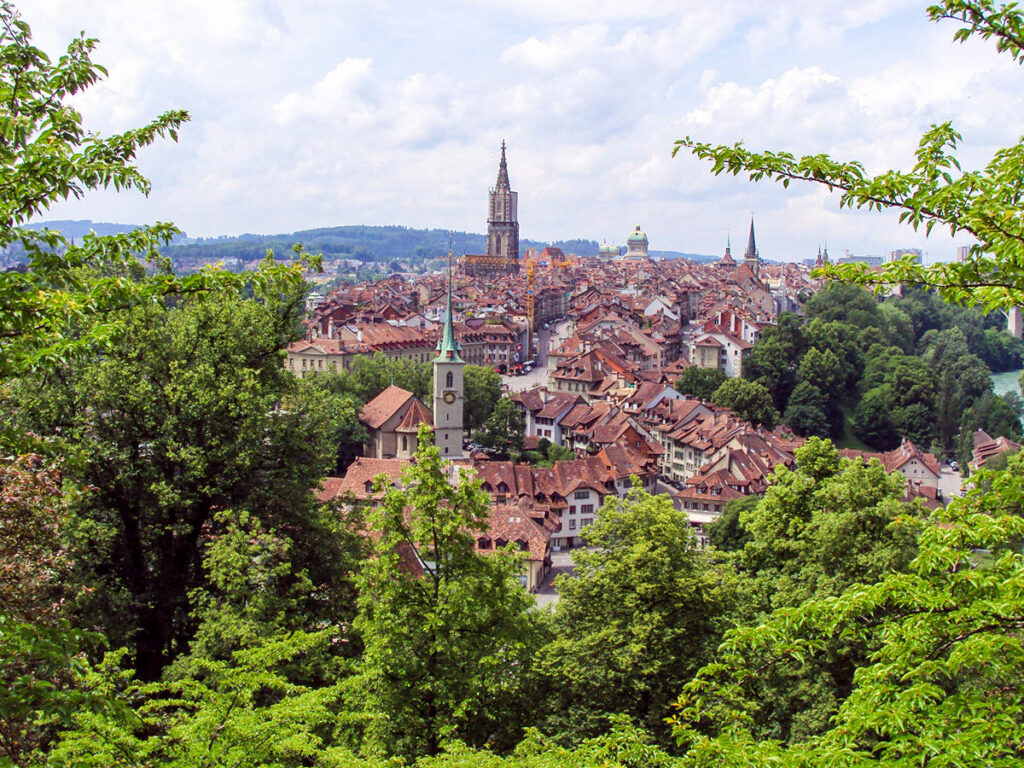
(954, 466)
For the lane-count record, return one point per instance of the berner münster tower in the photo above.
(502, 255)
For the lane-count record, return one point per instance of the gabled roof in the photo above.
(416, 415)
(385, 405)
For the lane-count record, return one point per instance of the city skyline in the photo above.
(312, 115)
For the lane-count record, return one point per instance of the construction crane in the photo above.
(531, 311)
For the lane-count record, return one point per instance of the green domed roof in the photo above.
(638, 236)
(607, 248)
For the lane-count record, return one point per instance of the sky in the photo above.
(317, 113)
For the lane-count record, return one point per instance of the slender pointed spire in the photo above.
(447, 345)
(503, 182)
(751, 251)
(728, 242)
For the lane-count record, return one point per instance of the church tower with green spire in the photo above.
(448, 386)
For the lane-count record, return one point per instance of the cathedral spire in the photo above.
(503, 183)
(751, 251)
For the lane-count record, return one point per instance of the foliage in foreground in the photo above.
(943, 682)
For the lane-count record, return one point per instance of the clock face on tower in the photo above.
(449, 397)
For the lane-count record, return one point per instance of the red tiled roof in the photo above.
(384, 406)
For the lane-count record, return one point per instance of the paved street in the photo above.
(538, 375)
(949, 482)
(561, 562)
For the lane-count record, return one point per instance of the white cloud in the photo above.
(314, 113)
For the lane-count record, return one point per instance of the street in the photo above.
(538, 375)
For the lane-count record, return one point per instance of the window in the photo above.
(572, 524)
(581, 495)
(483, 542)
(405, 443)
(448, 379)
(586, 521)
(587, 509)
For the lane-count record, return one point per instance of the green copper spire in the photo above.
(447, 346)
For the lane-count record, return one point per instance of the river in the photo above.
(1005, 382)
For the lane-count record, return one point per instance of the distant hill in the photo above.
(358, 242)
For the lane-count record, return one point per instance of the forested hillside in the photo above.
(910, 366)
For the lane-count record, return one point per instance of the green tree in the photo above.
(807, 413)
(827, 524)
(643, 610)
(727, 533)
(774, 358)
(872, 420)
(246, 710)
(942, 681)
(699, 382)
(750, 401)
(503, 430)
(188, 412)
(482, 391)
(844, 303)
(447, 632)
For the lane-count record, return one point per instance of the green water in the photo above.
(1005, 382)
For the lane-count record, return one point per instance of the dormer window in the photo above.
(502, 488)
(368, 486)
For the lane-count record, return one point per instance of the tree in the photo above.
(774, 358)
(482, 391)
(748, 400)
(726, 533)
(942, 681)
(872, 420)
(190, 411)
(643, 609)
(846, 304)
(699, 382)
(806, 413)
(827, 524)
(447, 631)
(503, 431)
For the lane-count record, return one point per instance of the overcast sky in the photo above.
(309, 113)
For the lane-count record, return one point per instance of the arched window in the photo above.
(497, 243)
(449, 379)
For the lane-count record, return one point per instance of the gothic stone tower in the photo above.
(503, 220)
(448, 387)
(751, 257)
